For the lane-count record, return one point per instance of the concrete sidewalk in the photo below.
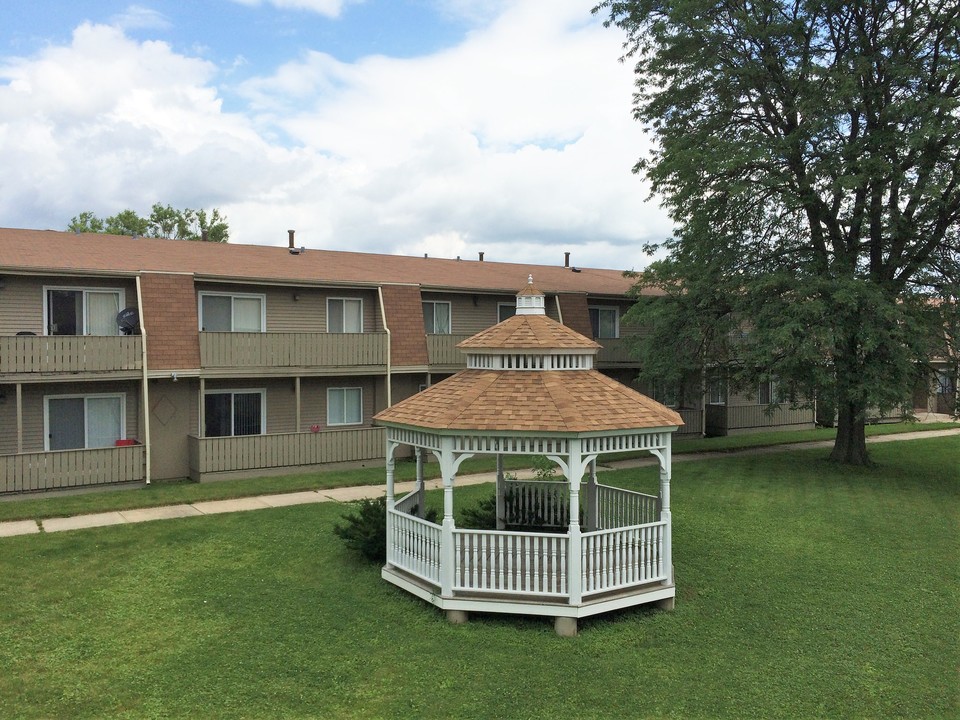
(348, 494)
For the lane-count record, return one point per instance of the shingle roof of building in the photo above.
(528, 332)
(577, 401)
(51, 251)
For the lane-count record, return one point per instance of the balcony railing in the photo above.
(722, 419)
(71, 468)
(290, 349)
(69, 353)
(443, 350)
(258, 452)
(615, 350)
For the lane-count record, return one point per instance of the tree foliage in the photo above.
(164, 221)
(809, 154)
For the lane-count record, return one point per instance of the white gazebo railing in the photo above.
(622, 558)
(617, 508)
(519, 563)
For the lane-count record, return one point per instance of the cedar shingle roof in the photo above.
(572, 401)
(52, 251)
(528, 332)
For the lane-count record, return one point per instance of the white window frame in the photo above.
(262, 392)
(721, 385)
(449, 315)
(773, 389)
(344, 424)
(512, 306)
(259, 296)
(616, 324)
(84, 289)
(342, 317)
(122, 396)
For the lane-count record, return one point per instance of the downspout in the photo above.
(383, 316)
(559, 311)
(146, 390)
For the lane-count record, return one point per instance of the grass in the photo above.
(805, 590)
(97, 500)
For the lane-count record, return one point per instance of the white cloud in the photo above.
(517, 142)
(137, 17)
(330, 8)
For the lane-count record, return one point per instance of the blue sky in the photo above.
(397, 126)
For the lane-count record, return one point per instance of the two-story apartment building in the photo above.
(131, 359)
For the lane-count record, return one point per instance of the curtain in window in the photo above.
(353, 412)
(441, 318)
(344, 406)
(102, 309)
(246, 413)
(352, 316)
(335, 316)
(246, 314)
(215, 313)
(103, 421)
(608, 323)
(335, 404)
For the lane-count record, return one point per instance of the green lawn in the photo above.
(805, 590)
(38, 507)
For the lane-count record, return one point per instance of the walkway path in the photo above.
(347, 494)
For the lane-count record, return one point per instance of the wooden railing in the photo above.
(414, 546)
(617, 508)
(623, 557)
(692, 419)
(71, 468)
(70, 353)
(254, 452)
(615, 350)
(721, 419)
(290, 349)
(443, 350)
(509, 562)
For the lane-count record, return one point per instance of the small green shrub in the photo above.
(482, 516)
(365, 530)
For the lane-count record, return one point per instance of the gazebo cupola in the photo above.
(530, 388)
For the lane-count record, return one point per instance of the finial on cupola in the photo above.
(530, 301)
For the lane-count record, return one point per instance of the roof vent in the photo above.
(290, 234)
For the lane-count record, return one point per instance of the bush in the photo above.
(482, 516)
(365, 531)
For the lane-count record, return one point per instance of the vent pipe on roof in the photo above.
(566, 259)
(204, 235)
(481, 256)
(290, 236)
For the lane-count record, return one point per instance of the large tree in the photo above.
(809, 154)
(164, 221)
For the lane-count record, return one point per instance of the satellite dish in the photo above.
(129, 321)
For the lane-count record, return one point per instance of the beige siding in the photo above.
(280, 399)
(313, 403)
(308, 313)
(8, 419)
(471, 313)
(21, 299)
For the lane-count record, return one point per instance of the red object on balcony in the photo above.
(122, 443)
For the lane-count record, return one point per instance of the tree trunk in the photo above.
(850, 447)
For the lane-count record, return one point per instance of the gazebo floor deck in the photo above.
(528, 604)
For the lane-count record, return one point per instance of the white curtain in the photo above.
(102, 309)
(246, 314)
(103, 421)
(352, 316)
(441, 318)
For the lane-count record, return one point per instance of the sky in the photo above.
(446, 127)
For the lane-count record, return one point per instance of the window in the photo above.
(605, 322)
(505, 311)
(344, 315)
(344, 406)
(436, 318)
(944, 383)
(768, 392)
(717, 392)
(233, 412)
(81, 311)
(232, 313)
(75, 422)
(665, 394)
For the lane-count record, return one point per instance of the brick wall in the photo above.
(170, 320)
(404, 317)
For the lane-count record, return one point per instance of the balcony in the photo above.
(727, 420)
(31, 355)
(442, 350)
(615, 351)
(226, 350)
(71, 468)
(281, 450)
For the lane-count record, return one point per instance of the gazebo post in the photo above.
(665, 463)
(391, 502)
(501, 514)
(421, 489)
(447, 470)
(574, 474)
(592, 497)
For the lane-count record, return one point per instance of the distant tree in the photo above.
(809, 154)
(164, 221)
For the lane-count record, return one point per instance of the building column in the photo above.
(19, 418)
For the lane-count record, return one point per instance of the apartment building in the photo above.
(135, 359)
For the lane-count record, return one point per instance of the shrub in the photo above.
(365, 530)
(482, 516)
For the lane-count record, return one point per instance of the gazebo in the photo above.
(530, 388)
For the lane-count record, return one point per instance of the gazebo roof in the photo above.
(579, 401)
(528, 332)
